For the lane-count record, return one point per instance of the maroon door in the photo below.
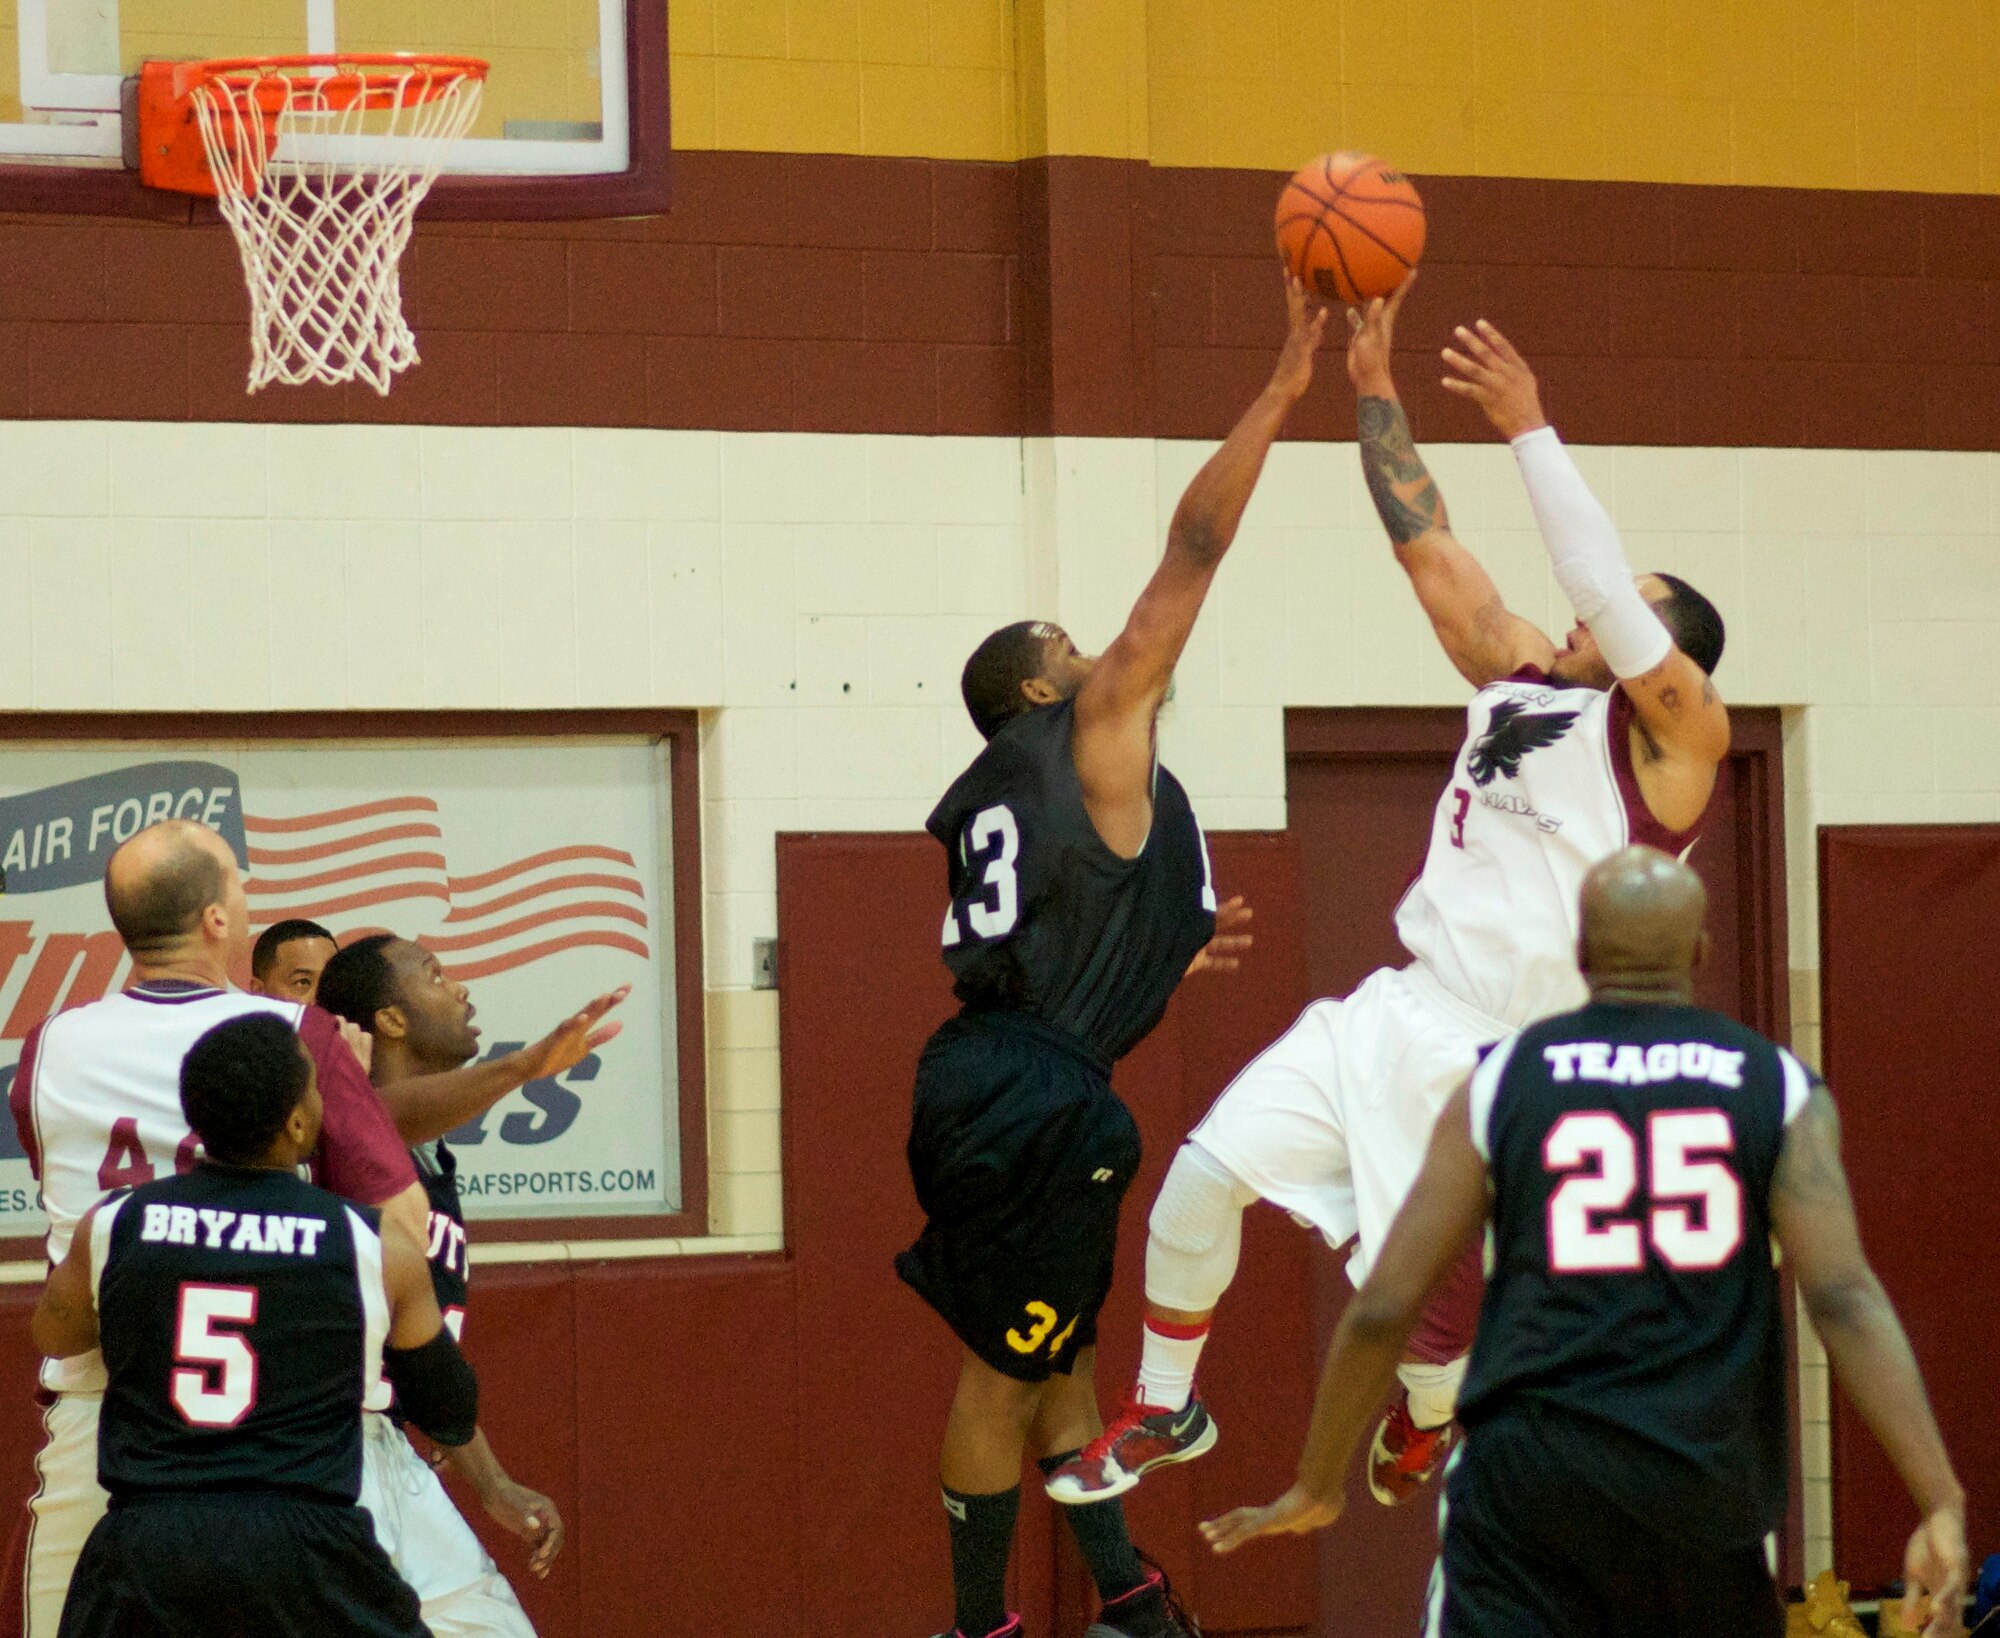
(1362, 785)
(1909, 943)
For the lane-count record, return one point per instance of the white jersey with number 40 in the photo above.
(1543, 788)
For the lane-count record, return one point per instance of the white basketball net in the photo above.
(322, 223)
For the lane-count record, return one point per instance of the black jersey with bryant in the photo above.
(1047, 920)
(437, 1170)
(1632, 1308)
(236, 1335)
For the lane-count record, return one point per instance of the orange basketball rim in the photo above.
(318, 164)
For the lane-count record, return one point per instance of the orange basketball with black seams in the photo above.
(1350, 226)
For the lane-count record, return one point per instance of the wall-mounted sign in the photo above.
(539, 872)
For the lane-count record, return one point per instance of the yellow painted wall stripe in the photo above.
(1897, 94)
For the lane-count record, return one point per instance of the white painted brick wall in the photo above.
(815, 596)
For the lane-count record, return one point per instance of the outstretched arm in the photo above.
(1676, 703)
(426, 1107)
(1444, 1210)
(1113, 744)
(1812, 1215)
(1480, 637)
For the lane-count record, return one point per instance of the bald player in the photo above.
(97, 1104)
(1625, 1406)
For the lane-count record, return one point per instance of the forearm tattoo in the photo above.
(1406, 498)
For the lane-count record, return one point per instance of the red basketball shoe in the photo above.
(1404, 1456)
(1138, 1440)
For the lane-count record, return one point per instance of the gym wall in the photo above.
(952, 301)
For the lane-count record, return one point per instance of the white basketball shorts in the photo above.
(1331, 1121)
(65, 1508)
(427, 1539)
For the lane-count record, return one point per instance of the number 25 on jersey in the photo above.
(1695, 1220)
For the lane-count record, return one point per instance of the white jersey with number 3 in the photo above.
(1543, 789)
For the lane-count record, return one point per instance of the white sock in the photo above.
(1433, 1390)
(1166, 1366)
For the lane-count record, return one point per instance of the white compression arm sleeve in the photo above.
(1589, 558)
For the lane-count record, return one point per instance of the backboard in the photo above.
(560, 104)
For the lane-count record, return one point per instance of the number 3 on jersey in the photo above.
(993, 904)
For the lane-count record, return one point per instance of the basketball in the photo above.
(1350, 226)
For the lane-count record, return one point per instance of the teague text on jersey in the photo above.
(273, 1233)
(1628, 1064)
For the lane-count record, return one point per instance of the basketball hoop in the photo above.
(318, 164)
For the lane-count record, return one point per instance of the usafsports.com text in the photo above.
(629, 1180)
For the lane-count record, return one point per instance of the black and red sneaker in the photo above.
(1404, 1456)
(1139, 1439)
(1149, 1610)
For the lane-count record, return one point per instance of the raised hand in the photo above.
(1293, 1514)
(1496, 378)
(1306, 328)
(1224, 952)
(1371, 337)
(575, 1038)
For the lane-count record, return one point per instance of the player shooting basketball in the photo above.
(1570, 754)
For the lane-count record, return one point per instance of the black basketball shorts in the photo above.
(1528, 1549)
(1021, 1154)
(238, 1564)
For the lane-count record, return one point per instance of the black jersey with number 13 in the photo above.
(1045, 919)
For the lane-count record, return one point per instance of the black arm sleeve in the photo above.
(435, 1388)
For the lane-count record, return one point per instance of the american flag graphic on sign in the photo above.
(386, 865)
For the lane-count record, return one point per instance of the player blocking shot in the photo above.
(243, 1315)
(1080, 896)
(1626, 1454)
(1570, 753)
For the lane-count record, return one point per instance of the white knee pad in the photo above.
(1195, 1232)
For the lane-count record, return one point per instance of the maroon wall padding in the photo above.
(1080, 296)
(651, 1399)
(1909, 942)
(861, 987)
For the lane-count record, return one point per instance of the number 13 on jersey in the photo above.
(989, 903)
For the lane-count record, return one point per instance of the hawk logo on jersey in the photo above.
(1510, 736)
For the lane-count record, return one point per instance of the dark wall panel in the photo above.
(830, 293)
(858, 996)
(1910, 938)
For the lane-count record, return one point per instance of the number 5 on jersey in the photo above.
(215, 1382)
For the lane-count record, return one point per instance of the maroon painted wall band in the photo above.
(1084, 297)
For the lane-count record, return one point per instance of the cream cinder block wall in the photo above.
(815, 595)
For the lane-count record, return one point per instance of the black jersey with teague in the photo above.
(1045, 919)
(243, 1314)
(1632, 1306)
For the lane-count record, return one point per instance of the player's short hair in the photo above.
(155, 908)
(240, 1083)
(264, 953)
(1694, 623)
(359, 981)
(991, 681)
